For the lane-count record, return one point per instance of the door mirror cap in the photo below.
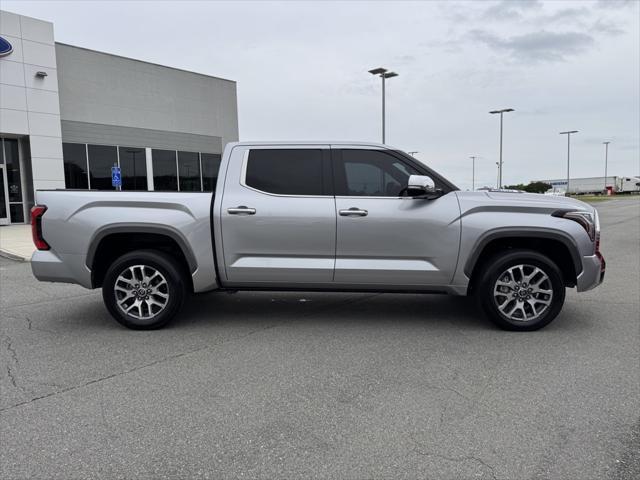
(420, 185)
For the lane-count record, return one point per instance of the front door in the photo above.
(278, 217)
(4, 196)
(387, 239)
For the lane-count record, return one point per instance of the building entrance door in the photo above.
(4, 195)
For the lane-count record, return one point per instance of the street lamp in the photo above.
(606, 159)
(384, 74)
(473, 173)
(501, 112)
(413, 154)
(568, 134)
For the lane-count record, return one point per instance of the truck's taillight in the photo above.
(36, 227)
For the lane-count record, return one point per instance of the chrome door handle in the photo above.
(353, 212)
(241, 210)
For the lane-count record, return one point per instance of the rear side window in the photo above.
(285, 171)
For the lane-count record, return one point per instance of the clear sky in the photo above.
(301, 69)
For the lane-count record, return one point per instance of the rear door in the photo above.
(278, 217)
(384, 238)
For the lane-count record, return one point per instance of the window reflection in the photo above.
(101, 159)
(75, 165)
(210, 167)
(133, 165)
(165, 174)
(189, 171)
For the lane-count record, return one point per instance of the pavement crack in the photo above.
(178, 355)
(15, 362)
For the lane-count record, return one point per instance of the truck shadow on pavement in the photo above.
(353, 308)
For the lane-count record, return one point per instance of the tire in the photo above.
(149, 307)
(521, 290)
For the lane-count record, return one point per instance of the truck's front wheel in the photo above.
(521, 290)
(144, 289)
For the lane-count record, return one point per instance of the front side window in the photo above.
(101, 159)
(286, 171)
(371, 173)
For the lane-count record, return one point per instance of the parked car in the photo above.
(320, 216)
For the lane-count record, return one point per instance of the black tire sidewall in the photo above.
(497, 265)
(164, 264)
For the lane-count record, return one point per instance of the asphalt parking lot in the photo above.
(324, 385)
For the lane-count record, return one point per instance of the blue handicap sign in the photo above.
(116, 177)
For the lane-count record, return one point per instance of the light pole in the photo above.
(501, 112)
(606, 159)
(568, 134)
(498, 179)
(473, 172)
(413, 154)
(384, 74)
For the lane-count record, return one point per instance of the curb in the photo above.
(13, 256)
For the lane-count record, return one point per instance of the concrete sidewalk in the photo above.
(16, 242)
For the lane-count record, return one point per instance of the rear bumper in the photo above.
(47, 266)
(592, 273)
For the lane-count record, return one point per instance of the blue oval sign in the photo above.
(5, 47)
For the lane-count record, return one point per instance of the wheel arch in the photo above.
(113, 241)
(557, 245)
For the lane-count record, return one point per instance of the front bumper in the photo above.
(592, 273)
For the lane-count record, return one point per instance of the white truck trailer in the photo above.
(595, 185)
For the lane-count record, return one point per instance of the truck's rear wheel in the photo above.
(521, 290)
(144, 289)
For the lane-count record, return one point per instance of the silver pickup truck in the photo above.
(319, 216)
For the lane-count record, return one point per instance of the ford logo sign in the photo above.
(5, 47)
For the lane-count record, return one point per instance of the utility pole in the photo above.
(568, 134)
(606, 159)
(473, 173)
(501, 112)
(384, 74)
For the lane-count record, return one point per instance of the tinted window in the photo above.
(286, 172)
(371, 173)
(165, 173)
(133, 165)
(210, 167)
(101, 159)
(75, 165)
(189, 171)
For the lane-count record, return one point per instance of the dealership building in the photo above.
(69, 114)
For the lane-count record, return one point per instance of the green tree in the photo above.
(532, 187)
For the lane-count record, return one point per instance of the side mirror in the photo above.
(421, 186)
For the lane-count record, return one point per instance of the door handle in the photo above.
(353, 212)
(241, 210)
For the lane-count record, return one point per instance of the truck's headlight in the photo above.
(589, 221)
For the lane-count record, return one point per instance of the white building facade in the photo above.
(68, 114)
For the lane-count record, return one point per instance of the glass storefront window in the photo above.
(75, 165)
(12, 164)
(189, 171)
(101, 159)
(165, 174)
(133, 165)
(210, 167)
